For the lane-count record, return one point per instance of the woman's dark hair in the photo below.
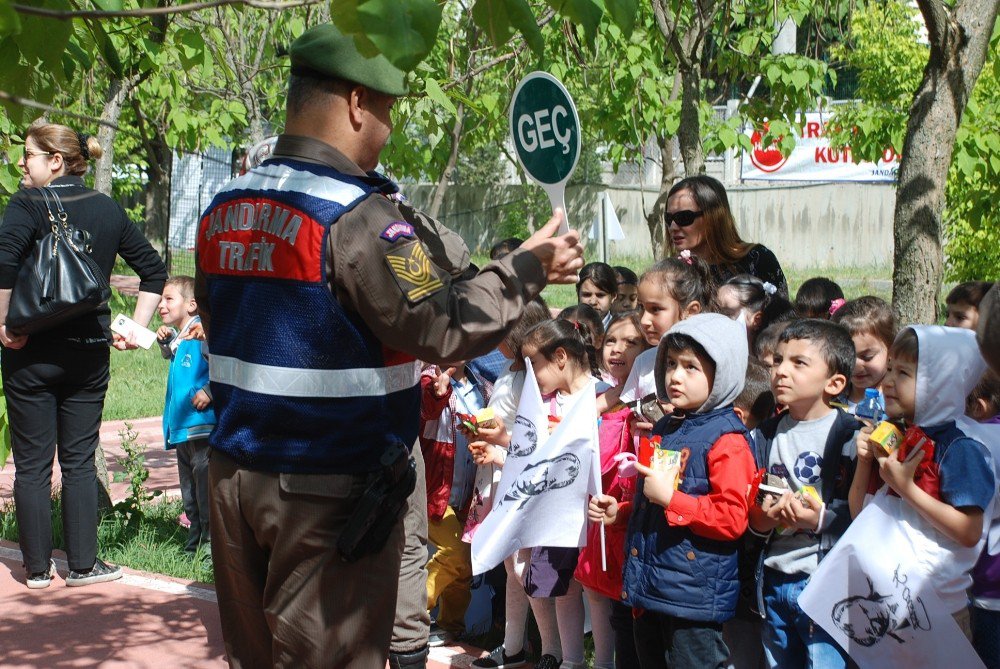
(760, 297)
(76, 149)
(970, 292)
(575, 337)
(534, 313)
(868, 315)
(601, 275)
(505, 246)
(626, 276)
(815, 297)
(685, 280)
(721, 237)
(833, 340)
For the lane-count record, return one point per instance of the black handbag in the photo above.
(60, 281)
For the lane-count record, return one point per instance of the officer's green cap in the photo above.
(324, 51)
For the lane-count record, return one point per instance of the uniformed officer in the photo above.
(318, 296)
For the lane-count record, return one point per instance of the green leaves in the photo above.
(404, 31)
(433, 90)
(9, 22)
(502, 19)
(585, 13)
(624, 13)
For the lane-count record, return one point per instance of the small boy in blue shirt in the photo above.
(809, 450)
(188, 417)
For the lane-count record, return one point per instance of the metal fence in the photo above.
(195, 180)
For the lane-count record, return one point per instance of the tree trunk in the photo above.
(117, 92)
(158, 189)
(959, 41)
(449, 169)
(654, 219)
(689, 131)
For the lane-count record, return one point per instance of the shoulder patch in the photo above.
(413, 271)
(397, 229)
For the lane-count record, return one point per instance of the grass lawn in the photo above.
(138, 384)
(154, 543)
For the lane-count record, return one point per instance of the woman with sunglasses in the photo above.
(698, 219)
(55, 380)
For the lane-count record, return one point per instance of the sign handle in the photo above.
(557, 196)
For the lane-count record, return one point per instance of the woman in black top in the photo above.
(699, 220)
(55, 380)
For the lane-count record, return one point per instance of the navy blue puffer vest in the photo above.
(669, 569)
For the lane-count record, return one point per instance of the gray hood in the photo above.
(948, 368)
(725, 341)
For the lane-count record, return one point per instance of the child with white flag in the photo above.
(541, 503)
(905, 604)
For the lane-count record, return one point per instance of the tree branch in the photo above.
(936, 19)
(34, 104)
(69, 14)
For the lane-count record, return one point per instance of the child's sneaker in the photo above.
(99, 573)
(42, 579)
(547, 662)
(499, 659)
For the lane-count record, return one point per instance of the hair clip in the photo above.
(576, 325)
(836, 304)
(770, 288)
(685, 255)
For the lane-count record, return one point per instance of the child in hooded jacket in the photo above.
(942, 496)
(685, 522)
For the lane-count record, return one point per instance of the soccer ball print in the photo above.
(808, 466)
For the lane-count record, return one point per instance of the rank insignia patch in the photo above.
(397, 229)
(414, 273)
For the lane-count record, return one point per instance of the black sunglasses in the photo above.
(681, 218)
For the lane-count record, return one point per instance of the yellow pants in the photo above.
(449, 572)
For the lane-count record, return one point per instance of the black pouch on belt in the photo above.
(380, 505)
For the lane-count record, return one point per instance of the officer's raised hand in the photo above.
(560, 255)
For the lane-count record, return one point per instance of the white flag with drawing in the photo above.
(546, 483)
(876, 602)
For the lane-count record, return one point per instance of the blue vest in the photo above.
(300, 383)
(669, 569)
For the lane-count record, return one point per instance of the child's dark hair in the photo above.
(504, 246)
(183, 283)
(767, 339)
(970, 292)
(681, 342)
(868, 315)
(633, 316)
(574, 337)
(757, 398)
(587, 313)
(905, 346)
(626, 277)
(815, 297)
(987, 390)
(762, 297)
(834, 342)
(534, 313)
(686, 280)
(601, 275)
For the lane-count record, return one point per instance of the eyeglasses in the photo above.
(29, 154)
(681, 218)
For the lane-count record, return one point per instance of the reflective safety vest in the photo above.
(300, 383)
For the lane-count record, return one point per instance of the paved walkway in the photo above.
(143, 620)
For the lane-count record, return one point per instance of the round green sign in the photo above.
(545, 128)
